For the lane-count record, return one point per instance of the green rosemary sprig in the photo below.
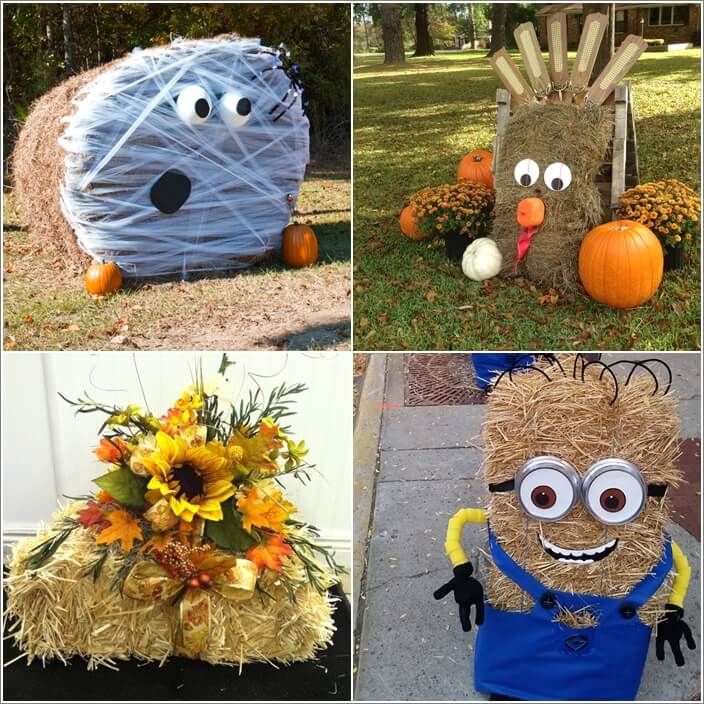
(96, 567)
(118, 580)
(41, 553)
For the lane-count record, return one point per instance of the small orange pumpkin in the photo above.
(300, 247)
(102, 279)
(476, 167)
(621, 263)
(409, 224)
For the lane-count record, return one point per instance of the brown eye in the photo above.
(612, 500)
(543, 496)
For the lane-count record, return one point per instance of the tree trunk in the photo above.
(606, 50)
(69, 60)
(392, 33)
(96, 22)
(424, 42)
(498, 27)
(472, 30)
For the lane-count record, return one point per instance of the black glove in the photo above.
(468, 591)
(671, 629)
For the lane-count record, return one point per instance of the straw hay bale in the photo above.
(58, 612)
(38, 166)
(548, 133)
(572, 419)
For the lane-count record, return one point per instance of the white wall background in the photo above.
(47, 449)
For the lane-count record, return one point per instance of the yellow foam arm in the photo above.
(682, 574)
(453, 539)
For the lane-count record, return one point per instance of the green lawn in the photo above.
(412, 125)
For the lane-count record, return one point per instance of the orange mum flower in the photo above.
(270, 553)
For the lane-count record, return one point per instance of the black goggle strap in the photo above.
(657, 490)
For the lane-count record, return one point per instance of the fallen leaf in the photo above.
(431, 296)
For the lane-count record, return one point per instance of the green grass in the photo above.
(412, 125)
(266, 307)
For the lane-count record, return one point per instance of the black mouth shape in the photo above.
(170, 191)
(585, 556)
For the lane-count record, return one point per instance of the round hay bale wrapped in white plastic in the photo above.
(176, 159)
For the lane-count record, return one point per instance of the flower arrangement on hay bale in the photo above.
(670, 209)
(189, 546)
(459, 212)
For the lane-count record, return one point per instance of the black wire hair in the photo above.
(578, 371)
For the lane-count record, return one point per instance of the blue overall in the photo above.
(530, 656)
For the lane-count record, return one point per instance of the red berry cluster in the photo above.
(176, 558)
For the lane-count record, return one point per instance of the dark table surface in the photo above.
(327, 678)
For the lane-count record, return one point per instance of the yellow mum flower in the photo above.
(194, 480)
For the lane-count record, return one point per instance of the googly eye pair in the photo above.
(612, 490)
(557, 176)
(194, 106)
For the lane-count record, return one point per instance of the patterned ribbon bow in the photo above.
(234, 579)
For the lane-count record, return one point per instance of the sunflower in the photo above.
(194, 480)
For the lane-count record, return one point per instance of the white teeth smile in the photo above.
(582, 557)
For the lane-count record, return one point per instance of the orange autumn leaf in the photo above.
(264, 511)
(123, 527)
(270, 553)
(157, 542)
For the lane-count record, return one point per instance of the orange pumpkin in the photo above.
(476, 167)
(409, 224)
(621, 263)
(104, 278)
(300, 246)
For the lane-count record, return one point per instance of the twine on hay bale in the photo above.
(122, 127)
(527, 415)
(549, 133)
(58, 611)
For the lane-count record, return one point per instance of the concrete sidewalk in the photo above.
(410, 646)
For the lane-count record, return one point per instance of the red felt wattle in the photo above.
(524, 240)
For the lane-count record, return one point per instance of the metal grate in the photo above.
(440, 380)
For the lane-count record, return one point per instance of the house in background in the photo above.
(677, 26)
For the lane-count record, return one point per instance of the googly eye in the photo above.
(557, 176)
(526, 172)
(547, 488)
(235, 108)
(193, 105)
(614, 491)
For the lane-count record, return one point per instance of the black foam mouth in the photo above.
(170, 191)
(585, 556)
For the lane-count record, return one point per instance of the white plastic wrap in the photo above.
(176, 110)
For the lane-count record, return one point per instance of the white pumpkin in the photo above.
(481, 260)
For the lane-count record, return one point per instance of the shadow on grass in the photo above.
(333, 246)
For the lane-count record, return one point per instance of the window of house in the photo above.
(668, 15)
(620, 24)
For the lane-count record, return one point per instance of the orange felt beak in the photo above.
(530, 212)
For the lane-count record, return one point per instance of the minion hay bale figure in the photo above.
(579, 458)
